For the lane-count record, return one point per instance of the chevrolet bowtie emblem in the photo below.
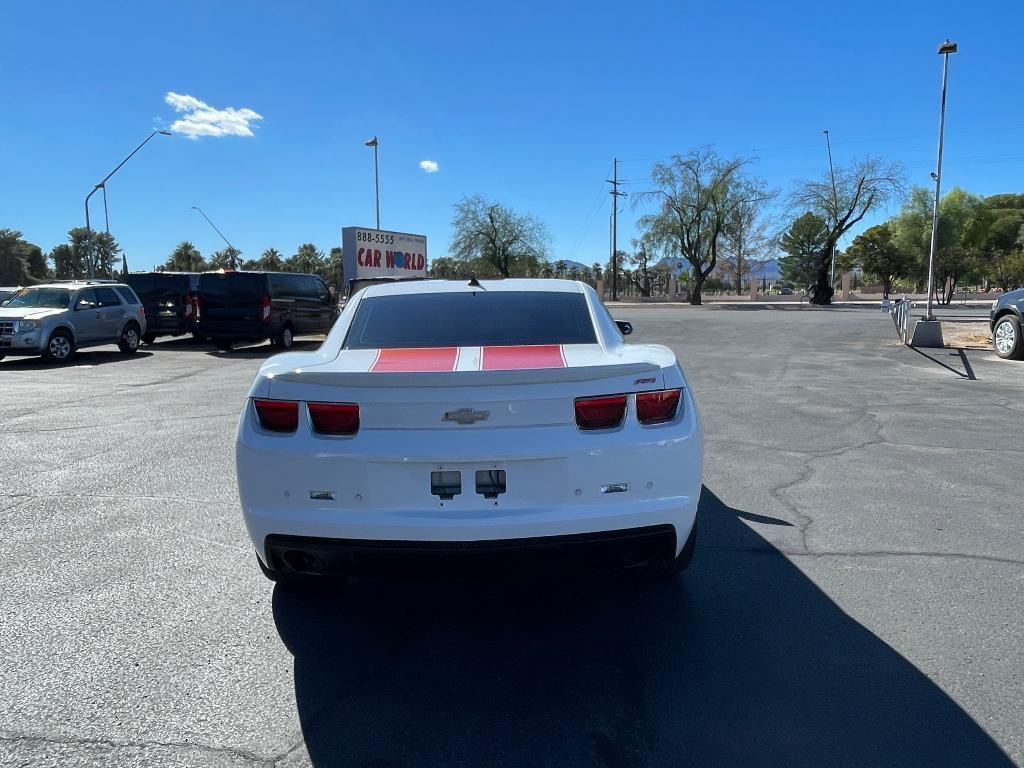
(466, 416)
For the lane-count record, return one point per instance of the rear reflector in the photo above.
(600, 412)
(277, 415)
(334, 418)
(657, 407)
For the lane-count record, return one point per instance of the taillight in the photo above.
(334, 418)
(600, 412)
(277, 415)
(266, 309)
(142, 311)
(199, 305)
(188, 304)
(657, 407)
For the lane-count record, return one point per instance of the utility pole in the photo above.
(614, 181)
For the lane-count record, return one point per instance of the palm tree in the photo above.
(308, 259)
(271, 260)
(184, 258)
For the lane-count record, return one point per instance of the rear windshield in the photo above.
(471, 319)
(233, 285)
(157, 284)
(56, 298)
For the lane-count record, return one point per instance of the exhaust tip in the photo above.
(301, 562)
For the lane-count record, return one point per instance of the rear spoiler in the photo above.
(464, 378)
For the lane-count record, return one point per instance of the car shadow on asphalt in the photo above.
(743, 661)
(264, 349)
(83, 359)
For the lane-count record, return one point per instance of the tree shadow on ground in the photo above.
(784, 305)
(743, 662)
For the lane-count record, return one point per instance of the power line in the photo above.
(595, 206)
(849, 142)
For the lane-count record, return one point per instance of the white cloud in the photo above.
(200, 119)
(429, 166)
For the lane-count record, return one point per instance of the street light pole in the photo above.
(835, 207)
(103, 185)
(376, 175)
(233, 249)
(944, 50)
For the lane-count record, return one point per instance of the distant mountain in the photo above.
(570, 264)
(768, 268)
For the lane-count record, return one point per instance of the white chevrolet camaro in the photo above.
(501, 423)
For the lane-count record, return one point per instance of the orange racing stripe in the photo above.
(415, 360)
(514, 358)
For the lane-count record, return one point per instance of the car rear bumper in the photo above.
(370, 557)
(255, 330)
(432, 527)
(168, 326)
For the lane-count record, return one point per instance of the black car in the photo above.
(1005, 322)
(170, 302)
(253, 306)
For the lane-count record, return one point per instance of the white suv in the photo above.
(54, 320)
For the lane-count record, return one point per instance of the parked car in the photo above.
(56, 319)
(506, 422)
(253, 306)
(1005, 322)
(170, 302)
(7, 292)
(785, 291)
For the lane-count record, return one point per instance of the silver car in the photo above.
(56, 319)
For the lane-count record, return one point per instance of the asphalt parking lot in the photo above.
(855, 600)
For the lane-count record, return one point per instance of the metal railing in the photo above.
(901, 312)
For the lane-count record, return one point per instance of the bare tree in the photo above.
(859, 188)
(642, 262)
(747, 239)
(498, 237)
(697, 193)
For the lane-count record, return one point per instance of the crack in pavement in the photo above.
(804, 520)
(896, 553)
(268, 762)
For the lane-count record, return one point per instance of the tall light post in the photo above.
(103, 185)
(944, 50)
(376, 175)
(835, 207)
(233, 249)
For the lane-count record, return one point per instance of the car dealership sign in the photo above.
(374, 253)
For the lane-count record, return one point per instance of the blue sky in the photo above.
(525, 103)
